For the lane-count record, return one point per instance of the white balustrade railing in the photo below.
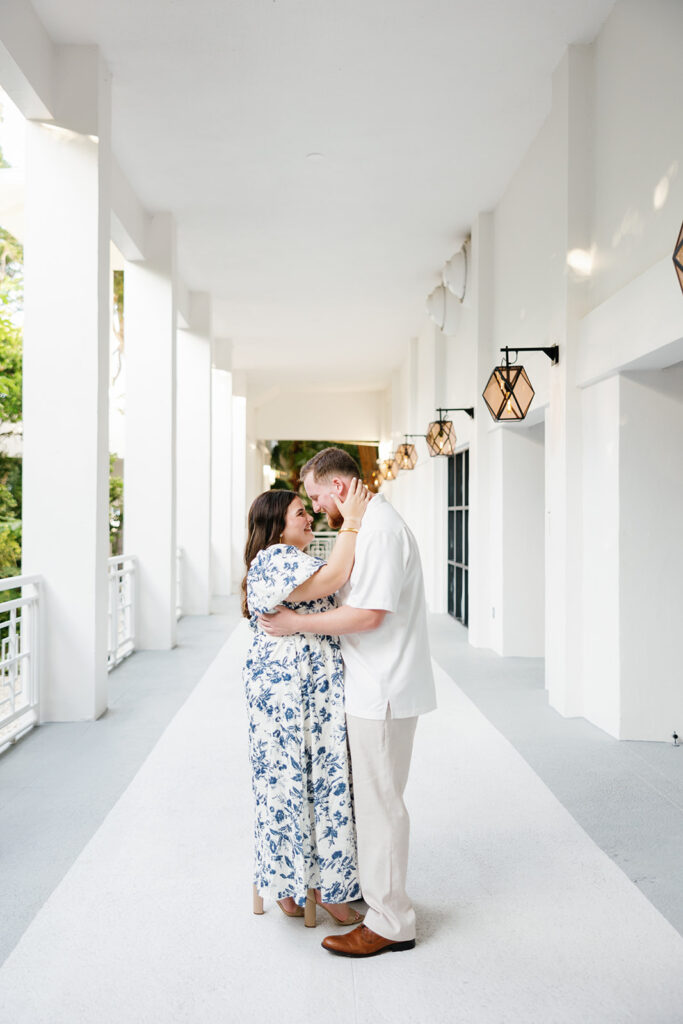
(19, 656)
(322, 544)
(121, 609)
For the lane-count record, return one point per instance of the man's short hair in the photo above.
(330, 462)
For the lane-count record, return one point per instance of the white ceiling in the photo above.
(422, 110)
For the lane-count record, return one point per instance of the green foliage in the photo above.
(11, 302)
(117, 321)
(11, 273)
(115, 509)
(287, 459)
(10, 523)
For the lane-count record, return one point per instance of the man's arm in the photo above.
(336, 622)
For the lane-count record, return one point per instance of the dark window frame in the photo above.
(458, 570)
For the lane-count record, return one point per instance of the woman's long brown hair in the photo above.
(266, 523)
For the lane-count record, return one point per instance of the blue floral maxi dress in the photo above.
(304, 828)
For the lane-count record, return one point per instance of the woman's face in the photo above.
(297, 529)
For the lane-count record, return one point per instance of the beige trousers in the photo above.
(380, 761)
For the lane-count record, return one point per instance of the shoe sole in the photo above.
(395, 947)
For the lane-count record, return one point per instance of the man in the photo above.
(388, 682)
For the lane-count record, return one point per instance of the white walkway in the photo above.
(521, 917)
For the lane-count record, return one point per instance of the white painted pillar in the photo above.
(150, 465)
(66, 366)
(599, 604)
(482, 529)
(194, 456)
(573, 94)
(239, 483)
(428, 361)
(221, 469)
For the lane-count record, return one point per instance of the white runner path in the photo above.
(521, 917)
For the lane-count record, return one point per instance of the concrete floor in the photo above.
(60, 781)
(125, 848)
(627, 796)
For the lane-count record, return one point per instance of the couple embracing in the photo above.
(339, 662)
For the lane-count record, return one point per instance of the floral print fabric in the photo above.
(304, 835)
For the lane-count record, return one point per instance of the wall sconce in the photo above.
(508, 392)
(441, 439)
(388, 469)
(406, 454)
(678, 257)
(455, 273)
(444, 309)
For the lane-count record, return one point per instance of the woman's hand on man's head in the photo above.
(353, 507)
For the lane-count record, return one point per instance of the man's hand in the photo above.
(281, 622)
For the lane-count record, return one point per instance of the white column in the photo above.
(150, 464)
(483, 531)
(66, 365)
(239, 482)
(194, 456)
(564, 544)
(221, 469)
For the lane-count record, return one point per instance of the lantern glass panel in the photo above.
(508, 393)
(441, 439)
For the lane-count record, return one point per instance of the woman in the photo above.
(304, 830)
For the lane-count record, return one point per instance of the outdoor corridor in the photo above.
(521, 916)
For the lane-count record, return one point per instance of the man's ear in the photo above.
(337, 485)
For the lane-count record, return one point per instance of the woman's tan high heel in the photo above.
(352, 916)
(299, 912)
(258, 902)
(307, 911)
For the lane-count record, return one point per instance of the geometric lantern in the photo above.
(389, 468)
(678, 257)
(406, 456)
(508, 393)
(441, 439)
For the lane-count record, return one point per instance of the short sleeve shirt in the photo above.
(390, 665)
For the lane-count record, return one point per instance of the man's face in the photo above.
(320, 492)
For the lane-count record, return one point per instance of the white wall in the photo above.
(239, 488)
(523, 533)
(601, 657)
(221, 481)
(638, 178)
(316, 416)
(651, 553)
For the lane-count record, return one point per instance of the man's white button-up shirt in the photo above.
(390, 665)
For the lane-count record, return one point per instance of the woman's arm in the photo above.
(331, 576)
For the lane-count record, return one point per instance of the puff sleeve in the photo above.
(275, 573)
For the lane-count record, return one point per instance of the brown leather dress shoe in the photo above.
(363, 942)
